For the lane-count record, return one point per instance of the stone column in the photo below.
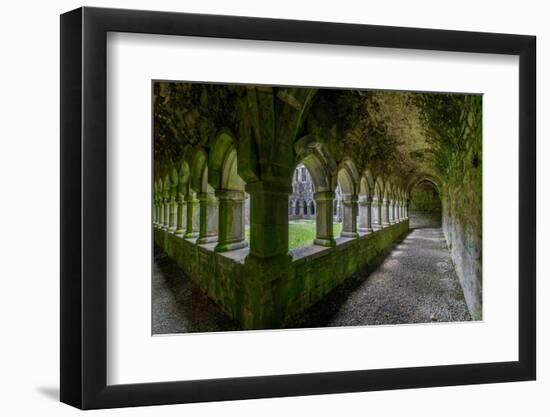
(230, 220)
(379, 212)
(166, 222)
(385, 213)
(161, 213)
(324, 235)
(268, 218)
(349, 227)
(375, 214)
(365, 215)
(208, 230)
(399, 216)
(392, 216)
(193, 216)
(181, 216)
(158, 206)
(172, 212)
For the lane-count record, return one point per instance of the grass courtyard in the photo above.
(301, 233)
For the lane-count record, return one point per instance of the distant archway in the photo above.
(424, 205)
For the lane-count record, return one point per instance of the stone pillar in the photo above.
(193, 216)
(268, 218)
(379, 212)
(208, 229)
(172, 213)
(161, 213)
(375, 211)
(166, 222)
(181, 216)
(398, 211)
(230, 220)
(158, 205)
(324, 235)
(385, 213)
(365, 215)
(392, 218)
(349, 227)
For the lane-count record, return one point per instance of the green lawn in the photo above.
(301, 233)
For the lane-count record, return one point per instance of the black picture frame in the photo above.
(84, 207)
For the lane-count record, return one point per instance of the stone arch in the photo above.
(435, 181)
(320, 164)
(424, 204)
(166, 187)
(378, 192)
(398, 204)
(388, 191)
(184, 172)
(348, 179)
(199, 171)
(366, 186)
(377, 200)
(208, 205)
(393, 204)
(224, 178)
(171, 193)
(156, 202)
(181, 171)
(317, 160)
(222, 163)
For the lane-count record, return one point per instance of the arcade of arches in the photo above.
(235, 167)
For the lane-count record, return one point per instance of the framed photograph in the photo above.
(259, 208)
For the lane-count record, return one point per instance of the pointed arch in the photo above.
(366, 184)
(435, 181)
(199, 171)
(318, 161)
(348, 177)
(223, 163)
(378, 193)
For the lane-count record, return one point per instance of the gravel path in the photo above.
(416, 283)
(179, 306)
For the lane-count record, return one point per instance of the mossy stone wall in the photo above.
(268, 293)
(462, 219)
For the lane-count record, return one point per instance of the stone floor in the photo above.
(415, 283)
(179, 306)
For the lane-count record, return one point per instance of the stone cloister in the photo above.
(199, 196)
